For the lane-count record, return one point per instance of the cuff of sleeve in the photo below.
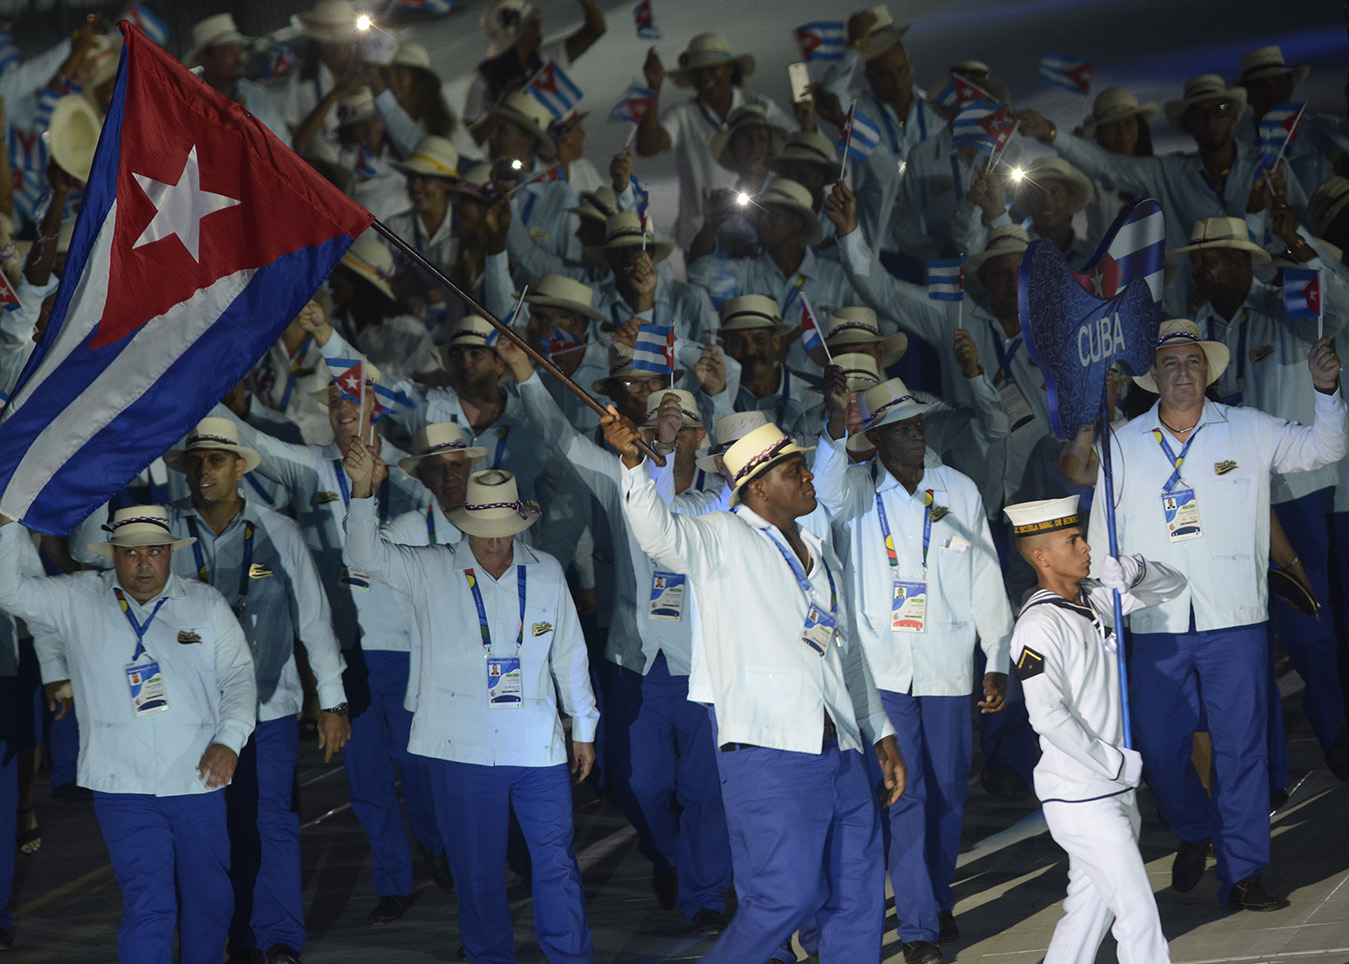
(1001, 220)
(1329, 403)
(233, 734)
(999, 661)
(361, 508)
(583, 728)
(53, 670)
(877, 727)
(330, 692)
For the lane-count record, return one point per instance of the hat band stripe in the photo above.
(441, 446)
(889, 405)
(428, 159)
(149, 520)
(1171, 336)
(518, 506)
(1047, 525)
(622, 233)
(853, 326)
(762, 457)
(750, 313)
(194, 439)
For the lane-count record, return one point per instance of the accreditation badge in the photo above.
(908, 609)
(1019, 412)
(147, 688)
(818, 632)
(1180, 509)
(667, 595)
(505, 683)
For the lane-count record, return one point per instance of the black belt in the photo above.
(830, 733)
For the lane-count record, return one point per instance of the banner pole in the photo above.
(1109, 496)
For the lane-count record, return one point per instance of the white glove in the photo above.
(1131, 774)
(1121, 572)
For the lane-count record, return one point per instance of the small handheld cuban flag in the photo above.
(1070, 73)
(561, 341)
(1302, 293)
(645, 19)
(946, 279)
(349, 376)
(654, 351)
(822, 39)
(811, 336)
(980, 125)
(959, 92)
(643, 199)
(553, 172)
(859, 135)
(633, 107)
(430, 7)
(553, 89)
(1278, 128)
(151, 25)
(281, 59)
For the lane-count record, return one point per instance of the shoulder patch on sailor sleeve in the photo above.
(1030, 664)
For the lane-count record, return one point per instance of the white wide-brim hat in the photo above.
(471, 331)
(855, 325)
(138, 525)
(72, 135)
(1327, 202)
(708, 50)
(371, 261)
(360, 106)
(755, 453)
(330, 22)
(1265, 62)
(219, 30)
(805, 147)
(731, 428)
(438, 438)
(887, 403)
(793, 196)
(1007, 239)
(492, 506)
(1055, 168)
(214, 433)
(624, 230)
(502, 21)
(557, 291)
(688, 407)
(1203, 88)
(1223, 232)
(1181, 331)
(1045, 515)
(860, 370)
(746, 118)
(527, 113)
(1116, 103)
(433, 157)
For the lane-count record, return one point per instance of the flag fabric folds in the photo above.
(822, 40)
(654, 351)
(958, 92)
(983, 125)
(200, 238)
(632, 108)
(1302, 292)
(1070, 73)
(645, 20)
(811, 336)
(860, 135)
(1135, 247)
(553, 89)
(946, 279)
(1278, 129)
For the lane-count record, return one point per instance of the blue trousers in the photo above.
(379, 742)
(9, 791)
(265, 841)
(63, 743)
(1311, 644)
(155, 843)
(1224, 672)
(936, 738)
(473, 804)
(663, 772)
(806, 845)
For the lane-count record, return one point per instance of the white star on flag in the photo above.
(180, 207)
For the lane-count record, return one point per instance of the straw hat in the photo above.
(371, 261)
(688, 405)
(1046, 515)
(805, 147)
(330, 22)
(597, 205)
(1054, 168)
(1263, 62)
(503, 21)
(887, 403)
(217, 31)
(1182, 331)
(755, 453)
(412, 55)
(885, 33)
(1007, 239)
(856, 325)
(472, 331)
(72, 135)
(751, 311)
(731, 428)
(742, 119)
(104, 54)
(475, 182)
(860, 369)
(1203, 88)
(708, 50)
(1327, 202)
(492, 506)
(438, 438)
(1116, 103)
(624, 230)
(788, 194)
(1223, 232)
(213, 433)
(620, 367)
(526, 112)
(138, 525)
(360, 106)
(557, 291)
(433, 157)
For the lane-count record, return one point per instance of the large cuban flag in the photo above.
(200, 237)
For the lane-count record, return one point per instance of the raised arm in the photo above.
(367, 548)
(1300, 448)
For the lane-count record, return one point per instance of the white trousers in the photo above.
(1107, 884)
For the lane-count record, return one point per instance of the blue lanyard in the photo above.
(1005, 355)
(501, 447)
(699, 481)
(294, 371)
(244, 568)
(889, 540)
(800, 573)
(956, 179)
(136, 627)
(786, 395)
(346, 491)
(890, 127)
(472, 578)
(529, 209)
(431, 524)
(1175, 460)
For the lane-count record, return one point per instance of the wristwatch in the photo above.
(339, 710)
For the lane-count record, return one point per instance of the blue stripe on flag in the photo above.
(649, 353)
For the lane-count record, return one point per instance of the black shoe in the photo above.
(949, 931)
(281, 954)
(1337, 757)
(440, 873)
(71, 793)
(1249, 893)
(921, 952)
(1004, 783)
(6, 939)
(666, 884)
(463, 954)
(709, 923)
(1188, 867)
(389, 909)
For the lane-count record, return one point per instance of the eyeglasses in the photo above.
(1221, 109)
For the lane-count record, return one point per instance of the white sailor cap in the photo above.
(1046, 515)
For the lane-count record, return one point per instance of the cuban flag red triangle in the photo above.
(200, 237)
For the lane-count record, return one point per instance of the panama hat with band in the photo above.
(805, 147)
(788, 194)
(371, 261)
(624, 230)
(1327, 203)
(330, 22)
(360, 106)
(708, 50)
(1183, 331)
(748, 117)
(688, 408)
(138, 525)
(1116, 103)
(72, 135)
(620, 368)
(1055, 168)
(883, 36)
(433, 157)
(557, 291)
(860, 370)
(492, 506)
(1265, 62)
(856, 325)
(731, 428)
(887, 403)
(471, 331)
(596, 205)
(755, 453)
(1046, 515)
(503, 21)
(475, 183)
(744, 312)
(438, 438)
(1006, 239)
(213, 433)
(414, 57)
(219, 30)
(1223, 232)
(1198, 90)
(526, 112)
